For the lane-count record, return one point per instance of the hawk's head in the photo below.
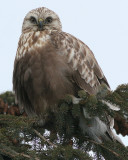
(41, 19)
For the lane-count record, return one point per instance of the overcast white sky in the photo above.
(101, 24)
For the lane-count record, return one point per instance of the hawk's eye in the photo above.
(33, 20)
(48, 20)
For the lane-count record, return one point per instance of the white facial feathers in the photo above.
(41, 13)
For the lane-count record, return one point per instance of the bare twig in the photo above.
(44, 139)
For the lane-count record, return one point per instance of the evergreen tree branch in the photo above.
(116, 154)
(44, 139)
(14, 154)
(67, 141)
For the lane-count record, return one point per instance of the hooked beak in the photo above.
(41, 24)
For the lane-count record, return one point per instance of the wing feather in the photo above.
(87, 73)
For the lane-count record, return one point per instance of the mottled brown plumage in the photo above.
(50, 63)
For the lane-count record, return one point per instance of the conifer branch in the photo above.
(14, 154)
(44, 139)
(116, 154)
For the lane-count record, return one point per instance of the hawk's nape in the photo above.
(49, 64)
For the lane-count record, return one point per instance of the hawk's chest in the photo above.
(31, 41)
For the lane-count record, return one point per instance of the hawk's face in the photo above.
(41, 19)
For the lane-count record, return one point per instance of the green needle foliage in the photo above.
(61, 138)
(8, 97)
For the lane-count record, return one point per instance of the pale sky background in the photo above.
(101, 24)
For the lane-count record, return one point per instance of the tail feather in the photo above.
(98, 130)
(111, 106)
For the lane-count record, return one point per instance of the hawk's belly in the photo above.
(43, 79)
